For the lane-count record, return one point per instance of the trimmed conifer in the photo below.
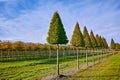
(104, 43)
(87, 39)
(93, 39)
(77, 39)
(112, 44)
(98, 39)
(57, 35)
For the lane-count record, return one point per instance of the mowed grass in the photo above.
(36, 69)
(107, 70)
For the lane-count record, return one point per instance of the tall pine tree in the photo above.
(57, 35)
(77, 39)
(87, 39)
(93, 39)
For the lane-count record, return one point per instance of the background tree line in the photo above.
(98, 42)
(29, 46)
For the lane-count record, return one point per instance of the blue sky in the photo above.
(28, 20)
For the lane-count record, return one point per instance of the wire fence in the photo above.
(70, 62)
(6, 56)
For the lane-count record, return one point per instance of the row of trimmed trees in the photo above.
(85, 40)
(57, 36)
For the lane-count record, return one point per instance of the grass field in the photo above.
(36, 69)
(108, 70)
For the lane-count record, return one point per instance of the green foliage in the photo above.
(56, 33)
(117, 46)
(98, 39)
(104, 43)
(77, 37)
(87, 39)
(112, 44)
(93, 39)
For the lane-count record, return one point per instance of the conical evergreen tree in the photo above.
(93, 39)
(98, 39)
(112, 44)
(105, 45)
(102, 42)
(77, 37)
(77, 40)
(56, 33)
(87, 39)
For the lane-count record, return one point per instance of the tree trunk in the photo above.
(77, 60)
(99, 56)
(57, 59)
(93, 57)
(50, 52)
(86, 58)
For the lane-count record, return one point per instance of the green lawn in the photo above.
(107, 70)
(36, 69)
